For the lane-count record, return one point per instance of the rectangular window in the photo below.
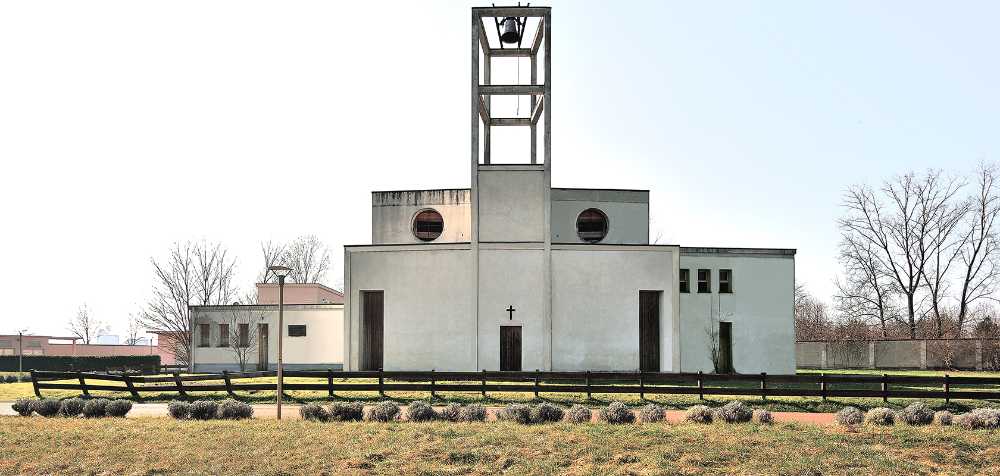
(296, 331)
(704, 281)
(725, 280)
(223, 335)
(685, 280)
(204, 335)
(5, 351)
(244, 335)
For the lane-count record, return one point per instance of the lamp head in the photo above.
(279, 271)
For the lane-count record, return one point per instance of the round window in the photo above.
(428, 225)
(592, 225)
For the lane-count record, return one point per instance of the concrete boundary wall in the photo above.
(969, 354)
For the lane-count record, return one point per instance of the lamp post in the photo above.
(280, 272)
(20, 355)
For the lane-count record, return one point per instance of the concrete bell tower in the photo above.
(510, 202)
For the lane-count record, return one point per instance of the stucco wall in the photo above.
(760, 308)
(428, 322)
(393, 213)
(322, 347)
(511, 276)
(952, 353)
(511, 203)
(627, 212)
(899, 354)
(595, 305)
(893, 354)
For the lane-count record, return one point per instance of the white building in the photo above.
(514, 274)
(313, 331)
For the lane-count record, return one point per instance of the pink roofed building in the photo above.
(70, 347)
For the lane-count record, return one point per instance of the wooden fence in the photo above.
(701, 384)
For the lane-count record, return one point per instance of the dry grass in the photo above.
(162, 446)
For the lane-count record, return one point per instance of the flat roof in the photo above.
(738, 251)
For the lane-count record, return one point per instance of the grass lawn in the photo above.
(801, 404)
(161, 446)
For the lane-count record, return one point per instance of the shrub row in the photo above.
(73, 407)
(918, 413)
(386, 411)
(228, 409)
(732, 412)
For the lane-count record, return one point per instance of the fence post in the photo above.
(484, 383)
(229, 384)
(947, 389)
(433, 395)
(885, 388)
(588, 385)
(536, 383)
(381, 383)
(131, 387)
(83, 385)
(642, 387)
(180, 385)
(701, 387)
(34, 384)
(822, 385)
(329, 381)
(763, 385)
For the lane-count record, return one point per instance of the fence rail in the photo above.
(642, 383)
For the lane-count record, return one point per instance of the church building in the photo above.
(514, 274)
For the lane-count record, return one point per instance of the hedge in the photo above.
(60, 363)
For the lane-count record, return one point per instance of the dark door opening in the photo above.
(510, 348)
(725, 347)
(372, 304)
(262, 347)
(649, 331)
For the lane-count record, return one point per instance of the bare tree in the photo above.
(242, 320)
(193, 274)
(866, 293)
(811, 320)
(86, 327)
(215, 273)
(134, 330)
(899, 227)
(979, 247)
(309, 259)
(274, 254)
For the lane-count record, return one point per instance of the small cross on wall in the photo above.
(510, 312)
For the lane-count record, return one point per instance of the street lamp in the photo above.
(280, 272)
(20, 355)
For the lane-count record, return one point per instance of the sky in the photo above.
(128, 125)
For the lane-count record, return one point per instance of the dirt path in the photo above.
(291, 411)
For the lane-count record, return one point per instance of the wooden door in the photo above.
(649, 331)
(725, 347)
(510, 348)
(262, 344)
(372, 320)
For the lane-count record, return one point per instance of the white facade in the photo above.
(760, 309)
(444, 310)
(513, 274)
(320, 348)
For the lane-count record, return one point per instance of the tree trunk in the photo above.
(911, 311)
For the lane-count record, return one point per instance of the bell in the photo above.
(510, 33)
